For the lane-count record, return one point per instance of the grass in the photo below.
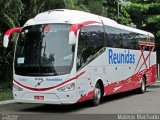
(6, 94)
(6, 91)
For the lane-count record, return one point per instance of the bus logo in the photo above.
(121, 58)
(40, 80)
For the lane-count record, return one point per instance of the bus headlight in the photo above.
(17, 88)
(69, 87)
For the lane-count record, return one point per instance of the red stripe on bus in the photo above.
(127, 84)
(45, 89)
(12, 30)
(75, 27)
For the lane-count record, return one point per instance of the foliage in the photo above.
(75, 4)
(146, 15)
(9, 12)
(6, 94)
(96, 7)
(111, 9)
(124, 17)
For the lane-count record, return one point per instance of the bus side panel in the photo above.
(122, 76)
(132, 73)
(84, 86)
(119, 76)
(81, 88)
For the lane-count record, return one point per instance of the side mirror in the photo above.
(73, 34)
(8, 34)
(72, 38)
(74, 30)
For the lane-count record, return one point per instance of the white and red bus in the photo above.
(67, 56)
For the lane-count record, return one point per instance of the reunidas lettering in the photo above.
(53, 79)
(121, 58)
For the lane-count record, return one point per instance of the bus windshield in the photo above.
(44, 50)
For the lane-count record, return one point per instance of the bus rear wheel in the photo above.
(142, 89)
(97, 95)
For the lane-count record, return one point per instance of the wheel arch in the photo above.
(144, 75)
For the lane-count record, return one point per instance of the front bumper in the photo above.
(45, 98)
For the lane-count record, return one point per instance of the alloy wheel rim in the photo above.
(143, 85)
(97, 95)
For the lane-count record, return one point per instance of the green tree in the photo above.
(146, 15)
(9, 12)
(95, 7)
(116, 10)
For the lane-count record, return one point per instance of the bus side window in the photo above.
(109, 34)
(119, 38)
(113, 37)
(91, 40)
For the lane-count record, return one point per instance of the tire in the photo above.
(97, 95)
(142, 89)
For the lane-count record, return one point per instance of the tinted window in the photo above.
(44, 50)
(113, 37)
(91, 41)
(119, 38)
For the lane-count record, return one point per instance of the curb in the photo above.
(6, 102)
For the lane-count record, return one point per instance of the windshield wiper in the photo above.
(44, 52)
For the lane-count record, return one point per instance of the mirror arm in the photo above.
(8, 33)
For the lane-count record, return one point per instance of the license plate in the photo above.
(39, 97)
